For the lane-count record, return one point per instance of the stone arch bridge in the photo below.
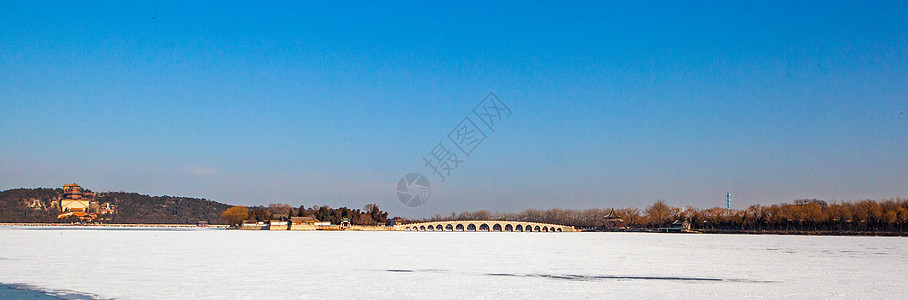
(484, 225)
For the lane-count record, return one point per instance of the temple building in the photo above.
(613, 221)
(74, 203)
(73, 200)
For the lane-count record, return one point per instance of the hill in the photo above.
(36, 205)
(137, 208)
(27, 205)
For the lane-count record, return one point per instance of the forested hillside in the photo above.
(137, 208)
(18, 205)
(15, 209)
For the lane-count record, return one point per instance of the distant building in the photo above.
(682, 225)
(612, 221)
(303, 221)
(36, 204)
(306, 223)
(253, 224)
(77, 203)
(677, 226)
(106, 208)
(279, 224)
(73, 200)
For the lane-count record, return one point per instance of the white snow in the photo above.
(210, 264)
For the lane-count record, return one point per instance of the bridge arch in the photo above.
(471, 227)
(449, 227)
(497, 227)
(484, 227)
(508, 228)
(518, 228)
(439, 227)
(459, 227)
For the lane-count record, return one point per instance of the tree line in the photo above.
(371, 214)
(889, 215)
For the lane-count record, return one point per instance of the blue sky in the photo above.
(614, 104)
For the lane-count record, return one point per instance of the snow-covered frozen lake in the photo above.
(181, 264)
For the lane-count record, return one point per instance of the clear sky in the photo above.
(614, 104)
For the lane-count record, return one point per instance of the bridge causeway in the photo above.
(484, 225)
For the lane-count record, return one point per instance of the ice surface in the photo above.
(208, 264)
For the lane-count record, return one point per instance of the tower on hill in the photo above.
(75, 204)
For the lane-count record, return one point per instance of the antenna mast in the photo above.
(727, 200)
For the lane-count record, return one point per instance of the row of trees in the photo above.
(371, 214)
(890, 215)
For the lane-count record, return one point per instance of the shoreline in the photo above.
(767, 232)
(112, 225)
(807, 232)
(374, 228)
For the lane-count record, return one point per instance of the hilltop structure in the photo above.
(76, 202)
